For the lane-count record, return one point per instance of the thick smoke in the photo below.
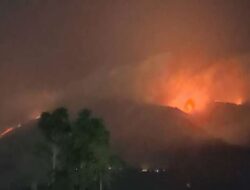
(174, 79)
(165, 53)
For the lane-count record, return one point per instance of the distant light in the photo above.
(144, 170)
(157, 170)
(109, 168)
(188, 185)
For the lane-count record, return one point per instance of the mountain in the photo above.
(213, 166)
(142, 130)
(19, 162)
(226, 121)
(151, 136)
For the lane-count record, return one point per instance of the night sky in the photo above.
(183, 54)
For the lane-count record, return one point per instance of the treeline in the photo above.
(78, 151)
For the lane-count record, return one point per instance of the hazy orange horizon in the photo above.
(193, 81)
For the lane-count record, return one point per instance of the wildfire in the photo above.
(189, 106)
(34, 116)
(190, 82)
(6, 131)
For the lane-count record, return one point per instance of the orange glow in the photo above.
(35, 115)
(190, 82)
(6, 131)
(187, 93)
(238, 101)
(189, 106)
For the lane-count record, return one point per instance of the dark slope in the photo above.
(227, 121)
(145, 135)
(142, 131)
(214, 166)
(19, 162)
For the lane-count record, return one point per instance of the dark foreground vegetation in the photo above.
(71, 154)
(78, 155)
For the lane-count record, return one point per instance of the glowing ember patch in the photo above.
(5, 132)
(189, 106)
(239, 101)
(38, 117)
(190, 82)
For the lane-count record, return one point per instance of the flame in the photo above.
(6, 131)
(190, 82)
(239, 101)
(187, 93)
(189, 106)
(35, 115)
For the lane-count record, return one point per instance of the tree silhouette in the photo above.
(90, 152)
(56, 129)
(81, 156)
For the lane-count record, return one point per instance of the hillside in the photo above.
(146, 136)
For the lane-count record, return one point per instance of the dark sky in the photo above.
(55, 52)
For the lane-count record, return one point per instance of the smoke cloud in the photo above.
(172, 53)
